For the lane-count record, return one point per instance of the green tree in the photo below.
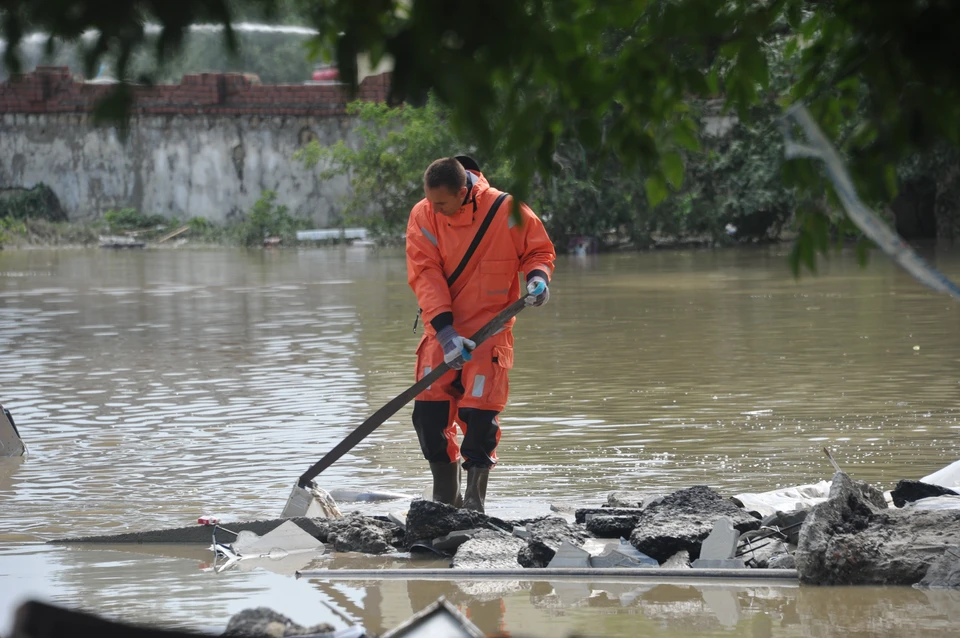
(267, 219)
(385, 167)
(616, 76)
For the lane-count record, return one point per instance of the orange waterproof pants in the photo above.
(470, 399)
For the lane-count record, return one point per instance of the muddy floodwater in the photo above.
(152, 387)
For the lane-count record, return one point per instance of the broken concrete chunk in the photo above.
(520, 531)
(682, 520)
(263, 621)
(611, 526)
(721, 543)
(945, 571)
(568, 555)
(546, 536)
(489, 550)
(851, 540)
(625, 499)
(782, 561)
(844, 485)
(358, 533)
(622, 554)
(427, 520)
(288, 538)
(680, 560)
(398, 518)
(10, 442)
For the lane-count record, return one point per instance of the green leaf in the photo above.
(890, 177)
(656, 189)
(673, 169)
(794, 13)
(790, 48)
(685, 137)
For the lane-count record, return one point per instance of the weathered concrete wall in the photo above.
(205, 148)
(212, 166)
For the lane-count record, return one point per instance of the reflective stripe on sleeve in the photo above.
(428, 235)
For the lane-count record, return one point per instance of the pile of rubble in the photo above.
(837, 532)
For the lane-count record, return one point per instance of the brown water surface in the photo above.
(152, 387)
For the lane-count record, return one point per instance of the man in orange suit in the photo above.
(459, 291)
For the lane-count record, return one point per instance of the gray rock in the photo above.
(489, 550)
(851, 540)
(356, 533)
(453, 540)
(682, 520)
(264, 622)
(584, 514)
(844, 485)
(520, 531)
(680, 560)
(721, 543)
(611, 526)
(908, 491)
(429, 520)
(945, 571)
(546, 536)
(782, 561)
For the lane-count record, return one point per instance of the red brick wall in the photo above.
(53, 90)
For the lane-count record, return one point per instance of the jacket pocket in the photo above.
(503, 357)
(496, 278)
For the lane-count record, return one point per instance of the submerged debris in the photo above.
(682, 520)
(854, 539)
(263, 622)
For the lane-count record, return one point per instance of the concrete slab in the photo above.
(287, 538)
(721, 544)
(196, 533)
(569, 555)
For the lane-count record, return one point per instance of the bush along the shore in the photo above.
(39, 202)
(36, 219)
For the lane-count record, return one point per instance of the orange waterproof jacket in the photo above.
(489, 283)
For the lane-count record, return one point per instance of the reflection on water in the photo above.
(178, 588)
(155, 386)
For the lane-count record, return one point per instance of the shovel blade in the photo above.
(311, 502)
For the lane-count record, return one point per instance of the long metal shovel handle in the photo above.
(384, 413)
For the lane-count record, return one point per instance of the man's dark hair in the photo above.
(447, 172)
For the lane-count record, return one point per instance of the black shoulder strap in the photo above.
(476, 238)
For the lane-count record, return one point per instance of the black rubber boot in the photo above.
(446, 483)
(476, 492)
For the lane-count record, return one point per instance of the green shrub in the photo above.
(39, 202)
(266, 219)
(132, 219)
